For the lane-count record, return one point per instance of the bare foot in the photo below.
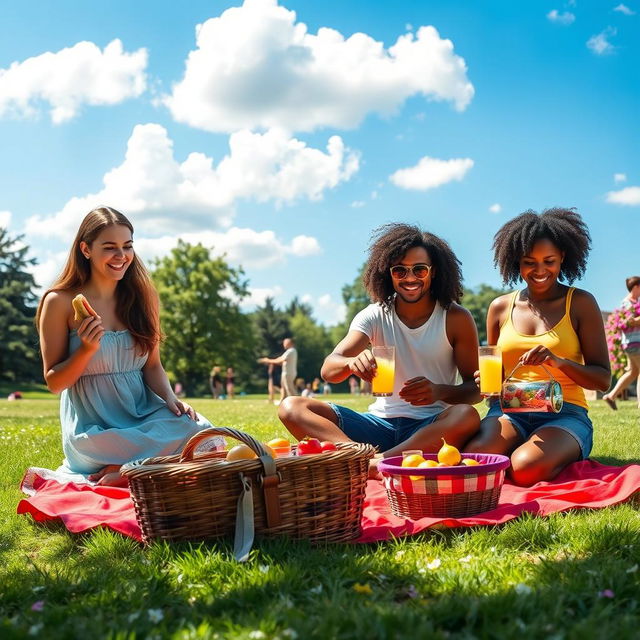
(109, 476)
(374, 474)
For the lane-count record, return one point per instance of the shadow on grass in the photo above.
(615, 461)
(111, 583)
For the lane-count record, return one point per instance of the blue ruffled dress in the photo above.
(110, 416)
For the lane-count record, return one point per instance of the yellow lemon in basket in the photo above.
(413, 460)
(470, 462)
(427, 463)
(448, 454)
(240, 452)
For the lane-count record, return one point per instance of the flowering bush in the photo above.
(617, 323)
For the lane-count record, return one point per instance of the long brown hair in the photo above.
(135, 294)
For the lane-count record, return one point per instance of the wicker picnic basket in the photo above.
(313, 497)
(444, 492)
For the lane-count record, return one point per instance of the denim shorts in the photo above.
(383, 433)
(571, 418)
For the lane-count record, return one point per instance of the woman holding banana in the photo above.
(100, 335)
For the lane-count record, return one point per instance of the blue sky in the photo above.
(282, 134)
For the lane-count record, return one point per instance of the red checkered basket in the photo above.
(444, 492)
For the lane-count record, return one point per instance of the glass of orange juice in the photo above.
(490, 358)
(382, 384)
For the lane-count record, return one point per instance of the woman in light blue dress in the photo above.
(116, 402)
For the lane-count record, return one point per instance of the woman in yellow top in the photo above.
(547, 323)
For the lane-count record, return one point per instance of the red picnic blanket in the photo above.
(586, 484)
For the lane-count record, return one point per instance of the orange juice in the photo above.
(382, 384)
(490, 375)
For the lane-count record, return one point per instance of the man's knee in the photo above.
(466, 417)
(291, 408)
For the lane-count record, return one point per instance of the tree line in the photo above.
(201, 317)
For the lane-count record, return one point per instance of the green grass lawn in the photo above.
(573, 575)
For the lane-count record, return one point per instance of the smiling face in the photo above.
(411, 289)
(540, 267)
(111, 253)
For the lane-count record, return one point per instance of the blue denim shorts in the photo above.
(571, 418)
(383, 433)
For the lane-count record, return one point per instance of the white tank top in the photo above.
(423, 351)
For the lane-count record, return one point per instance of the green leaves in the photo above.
(18, 338)
(200, 315)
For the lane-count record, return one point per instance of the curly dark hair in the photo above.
(564, 227)
(390, 242)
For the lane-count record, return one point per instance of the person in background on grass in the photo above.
(215, 382)
(230, 383)
(116, 403)
(354, 386)
(289, 363)
(546, 323)
(272, 387)
(414, 279)
(631, 346)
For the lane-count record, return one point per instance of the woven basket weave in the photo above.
(314, 497)
(444, 492)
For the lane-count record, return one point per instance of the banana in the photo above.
(81, 308)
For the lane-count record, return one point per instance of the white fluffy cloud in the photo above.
(255, 66)
(495, 208)
(241, 247)
(628, 196)
(431, 172)
(600, 44)
(70, 78)
(563, 18)
(619, 177)
(5, 219)
(245, 248)
(622, 8)
(164, 195)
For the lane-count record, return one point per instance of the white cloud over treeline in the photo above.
(165, 194)
(67, 80)
(254, 66)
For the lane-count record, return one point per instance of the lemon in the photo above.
(470, 462)
(412, 461)
(448, 454)
(427, 463)
(240, 452)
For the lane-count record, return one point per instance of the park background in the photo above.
(278, 136)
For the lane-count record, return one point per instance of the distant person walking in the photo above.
(230, 383)
(215, 382)
(631, 346)
(289, 363)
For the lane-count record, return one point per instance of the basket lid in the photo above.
(489, 462)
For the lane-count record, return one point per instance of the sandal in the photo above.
(611, 402)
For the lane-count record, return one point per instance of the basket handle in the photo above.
(194, 441)
(270, 479)
(518, 365)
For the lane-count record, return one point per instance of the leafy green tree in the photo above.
(477, 302)
(270, 327)
(355, 297)
(19, 360)
(313, 344)
(201, 317)
(297, 306)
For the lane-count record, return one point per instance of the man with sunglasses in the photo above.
(414, 281)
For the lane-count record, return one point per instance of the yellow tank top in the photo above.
(562, 340)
